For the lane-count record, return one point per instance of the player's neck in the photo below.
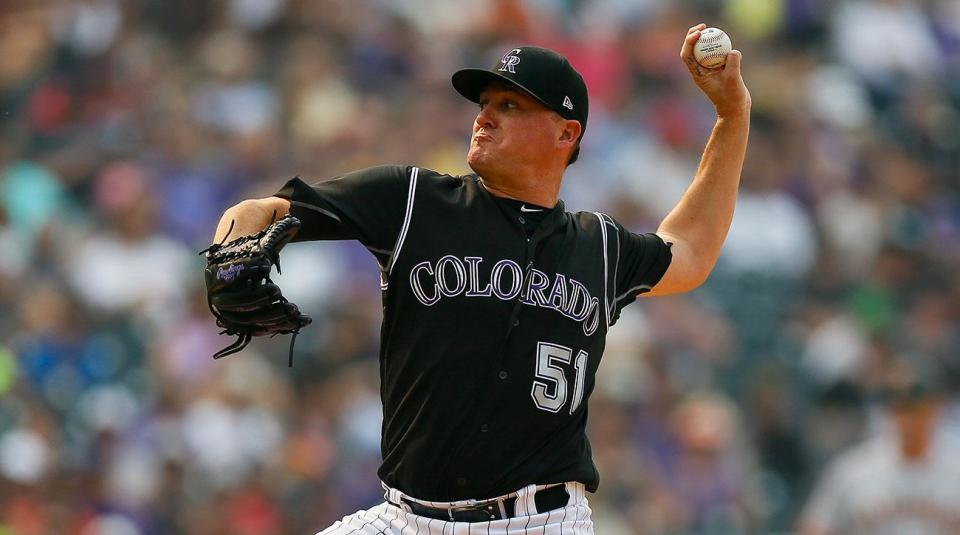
(540, 192)
(915, 430)
(914, 449)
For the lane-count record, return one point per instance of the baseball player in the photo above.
(497, 301)
(904, 480)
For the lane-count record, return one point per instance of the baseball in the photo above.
(712, 48)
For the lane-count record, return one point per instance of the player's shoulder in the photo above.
(403, 173)
(384, 171)
(594, 221)
(943, 451)
(870, 458)
(434, 175)
(442, 183)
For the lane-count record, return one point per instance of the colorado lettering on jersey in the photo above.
(451, 276)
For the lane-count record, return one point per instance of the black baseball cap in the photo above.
(544, 74)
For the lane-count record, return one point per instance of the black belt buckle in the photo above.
(478, 513)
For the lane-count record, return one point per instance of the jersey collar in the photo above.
(554, 218)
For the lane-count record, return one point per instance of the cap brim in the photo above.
(470, 82)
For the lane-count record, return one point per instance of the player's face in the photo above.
(513, 132)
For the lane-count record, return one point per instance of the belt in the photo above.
(546, 500)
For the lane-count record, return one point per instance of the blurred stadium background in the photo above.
(128, 126)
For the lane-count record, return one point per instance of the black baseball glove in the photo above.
(240, 293)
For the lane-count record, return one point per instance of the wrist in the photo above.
(734, 113)
(740, 110)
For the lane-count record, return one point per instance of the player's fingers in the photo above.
(686, 51)
(732, 67)
(695, 28)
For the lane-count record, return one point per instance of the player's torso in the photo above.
(885, 494)
(491, 337)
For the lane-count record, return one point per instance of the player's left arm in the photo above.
(698, 224)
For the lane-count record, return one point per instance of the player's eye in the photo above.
(500, 103)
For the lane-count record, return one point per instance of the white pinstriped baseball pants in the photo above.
(388, 519)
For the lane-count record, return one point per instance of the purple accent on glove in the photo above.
(230, 273)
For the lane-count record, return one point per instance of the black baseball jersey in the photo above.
(493, 326)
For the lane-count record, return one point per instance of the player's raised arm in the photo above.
(249, 217)
(698, 224)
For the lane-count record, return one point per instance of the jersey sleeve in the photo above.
(368, 205)
(640, 260)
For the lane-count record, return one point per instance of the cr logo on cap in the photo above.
(509, 60)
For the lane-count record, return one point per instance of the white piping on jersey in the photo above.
(616, 264)
(627, 293)
(606, 269)
(414, 172)
(336, 218)
(316, 208)
(631, 290)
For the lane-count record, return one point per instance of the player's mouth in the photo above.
(482, 136)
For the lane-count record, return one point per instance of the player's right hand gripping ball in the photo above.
(240, 294)
(712, 48)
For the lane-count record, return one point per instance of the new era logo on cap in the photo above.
(567, 104)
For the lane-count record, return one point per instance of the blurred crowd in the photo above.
(128, 126)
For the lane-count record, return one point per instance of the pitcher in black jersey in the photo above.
(497, 301)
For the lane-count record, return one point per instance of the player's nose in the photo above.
(485, 118)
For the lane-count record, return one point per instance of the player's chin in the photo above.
(483, 167)
(475, 166)
(478, 155)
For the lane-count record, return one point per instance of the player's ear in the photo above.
(569, 133)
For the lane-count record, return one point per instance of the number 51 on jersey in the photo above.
(550, 390)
